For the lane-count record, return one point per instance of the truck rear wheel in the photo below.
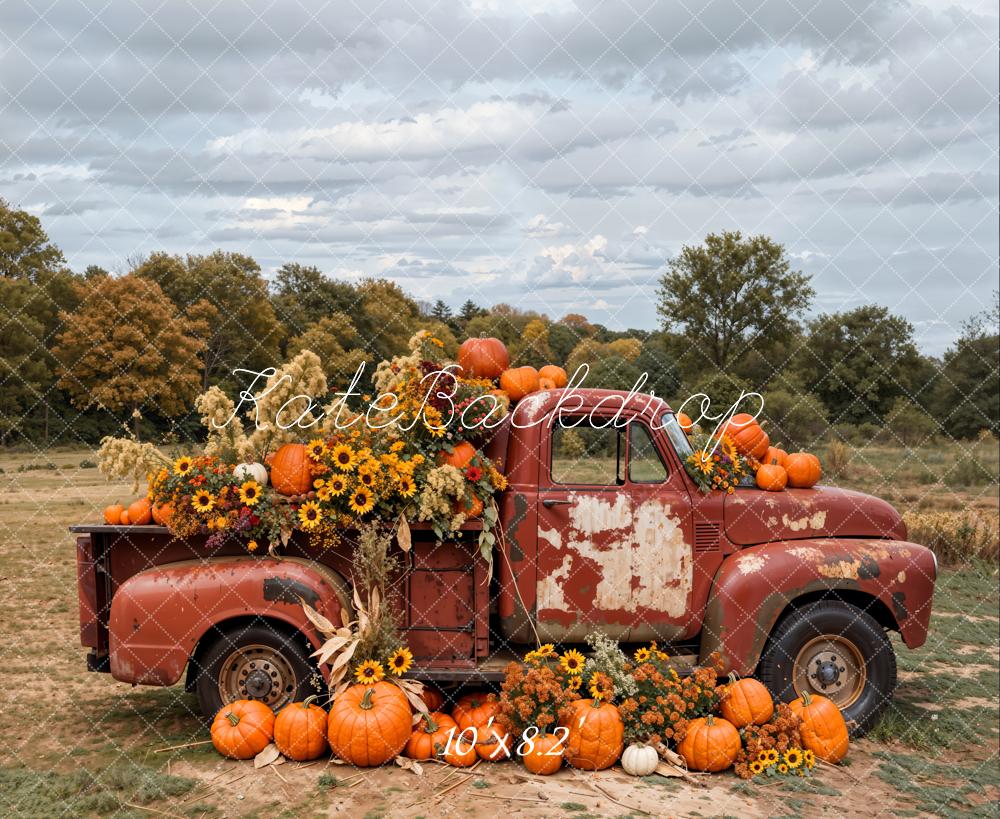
(254, 662)
(836, 650)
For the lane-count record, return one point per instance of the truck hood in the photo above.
(753, 516)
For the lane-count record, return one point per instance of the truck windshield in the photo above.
(676, 435)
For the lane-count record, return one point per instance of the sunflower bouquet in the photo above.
(538, 692)
(715, 464)
(774, 748)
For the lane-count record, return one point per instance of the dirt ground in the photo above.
(82, 744)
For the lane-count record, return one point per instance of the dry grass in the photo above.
(956, 537)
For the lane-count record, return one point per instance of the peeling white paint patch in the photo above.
(591, 514)
(815, 521)
(901, 577)
(550, 589)
(750, 562)
(806, 552)
(842, 569)
(528, 408)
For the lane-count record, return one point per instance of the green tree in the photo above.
(860, 362)
(532, 348)
(386, 317)
(25, 249)
(24, 373)
(337, 343)
(441, 311)
(909, 423)
(301, 295)
(795, 420)
(656, 359)
(126, 348)
(730, 291)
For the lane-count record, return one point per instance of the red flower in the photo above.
(473, 473)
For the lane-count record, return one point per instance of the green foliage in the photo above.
(335, 340)
(910, 424)
(302, 295)
(532, 348)
(795, 420)
(25, 249)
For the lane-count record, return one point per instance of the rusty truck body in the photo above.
(600, 529)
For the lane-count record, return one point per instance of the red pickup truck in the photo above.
(600, 528)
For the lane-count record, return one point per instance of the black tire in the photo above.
(848, 627)
(257, 661)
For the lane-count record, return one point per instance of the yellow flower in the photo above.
(344, 457)
(405, 486)
(662, 655)
(203, 500)
(756, 767)
(316, 449)
(310, 515)
(498, 480)
(183, 465)
(435, 431)
(728, 448)
(323, 493)
(253, 546)
(793, 758)
(400, 661)
(572, 662)
(809, 758)
(336, 486)
(369, 672)
(417, 459)
(221, 522)
(642, 655)
(250, 493)
(574, 683)
(782, 768)
(361, 501)
(703, 461)
(770, 756)
(398, 445)
(318, 483)
(366, 478)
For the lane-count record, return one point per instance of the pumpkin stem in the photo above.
(308, 700)
(710, 720)
(234, 719)
(733, 677)
(806, 699)
(432, 726)
(366, 700)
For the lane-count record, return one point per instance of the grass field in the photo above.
(83, 744)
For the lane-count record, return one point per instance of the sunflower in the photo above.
(756, 767)
(702, 461)
(316, 449)
(310, 515)
(361, 501)
(203, 500)
(253, 546)
(809, 758)
(770, 756)
(572, 662)
(369, 672)
(782, 768)
(323, 493)
(728, 448)
(250, 493)
(793, 758)
(400, 661)
(642, 655)
(601, 687)
(435, 431)
(336, 486)
(405, 486)
(183, 465)
(344, 457)
(366, 478)
(574, 683)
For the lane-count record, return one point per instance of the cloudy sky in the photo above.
(551, 154)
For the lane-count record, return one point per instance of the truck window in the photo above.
(583, 454)
(644, 462)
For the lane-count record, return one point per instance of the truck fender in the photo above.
(159, 615)
(752, 589)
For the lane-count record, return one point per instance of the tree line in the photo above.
(82, 353)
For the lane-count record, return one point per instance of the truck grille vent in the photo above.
(706, 537)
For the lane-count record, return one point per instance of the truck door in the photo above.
(614, 534)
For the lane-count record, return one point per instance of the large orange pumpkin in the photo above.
(747, 702)
(803, 470)
(823, 729)
(596, 735)
(519, 382)
(747, 435)
(300, 730)
(369, 724)
(461, 751)
(475, 710)
(774, 455)
(243, 729)
(771, 477)
(710, 744)
(483, 357)
(461, 455)
(113, 514)
(545, 754)
(493, 743)
(685, 422)
(162, 513)
(290, 473)
(557, 375)
(140, 512)
(430, 735)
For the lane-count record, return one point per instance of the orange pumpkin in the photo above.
(596, 735)
(493, 744)
(242, 729)
(803, 470)
(290, 472)
(771, 477)
(369, 724)
(686, 423)
(300, 730)
(140, 512)
(774, 455)
(747, 435)
(557, 375)
(471, 509)
(461, 751)
(433, 699)
(483, 357)
(162, 513)
(519, 382)
(546, 384)
(461, 455)
(710, 744)
(823, 729)
(124, 518)
(430, 735)
(545, 754)
(113, 514)
(475, 710)
(747, 702)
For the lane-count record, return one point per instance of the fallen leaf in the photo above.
(268, 756)
(403, 534)
(408, 764)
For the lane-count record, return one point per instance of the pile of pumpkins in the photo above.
(138, 513)
(778, 469)
(488, 358)
(369, 725)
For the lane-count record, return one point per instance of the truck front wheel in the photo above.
(836, 650)
(254, 662)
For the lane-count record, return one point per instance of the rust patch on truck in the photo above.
(287, 590)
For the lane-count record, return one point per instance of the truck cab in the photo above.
(600, 529)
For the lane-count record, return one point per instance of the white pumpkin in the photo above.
(640, 760)
(247, 472)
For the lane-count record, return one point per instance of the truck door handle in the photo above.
(548, 503)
